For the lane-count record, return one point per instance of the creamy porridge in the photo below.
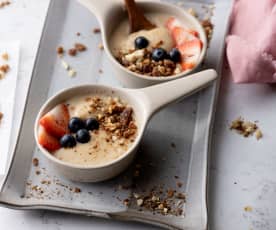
(88, 130)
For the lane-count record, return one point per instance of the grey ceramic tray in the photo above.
(174, 148)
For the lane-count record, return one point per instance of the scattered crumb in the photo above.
(1, 116)
(246, 128)
(100, 71)
(72, 72)
(101, 47)
(35, 162)
(5, 56)
(248, 209)
(173, 145)
(78, 33)
(179, 184)
(258, 134)
(96, 30)
(65, 65)
(3, 4)
(60, 50)
(80, 47)
(72, 52)
(77, 190)
(5, 68)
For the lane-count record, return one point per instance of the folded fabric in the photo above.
(251, 44)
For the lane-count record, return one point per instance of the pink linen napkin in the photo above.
(251, 43)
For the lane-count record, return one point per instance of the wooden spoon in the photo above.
(137, 19)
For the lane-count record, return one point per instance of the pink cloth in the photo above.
(251, 43)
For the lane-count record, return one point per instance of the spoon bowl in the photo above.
(111, 12)
(145, 102)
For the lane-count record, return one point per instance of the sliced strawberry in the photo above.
(190, 52)
(190, 48)
(187, 65)
(47, 140)
(56, 121)
(194, 33)
(181, 35)
(172, 22)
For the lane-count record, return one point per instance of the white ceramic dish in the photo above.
(145, 102)
(189, 129)
(110, 13)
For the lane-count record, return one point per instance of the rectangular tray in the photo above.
(176, 142)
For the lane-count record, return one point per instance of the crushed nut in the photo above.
(246, 128)
(248, 209)
(80, 47)
(35, 162)
(72, 52)
(72, 72)
(3, 4)
(5, 68)
(60, 50)
(96, 30)
(258, 134)
(5, 56)
(101, 47)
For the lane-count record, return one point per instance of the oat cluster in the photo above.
(246, 128)
(140, 61)
(114, 116)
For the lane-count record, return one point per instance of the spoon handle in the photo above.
(157, 96)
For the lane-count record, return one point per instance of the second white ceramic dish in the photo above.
(110, 13)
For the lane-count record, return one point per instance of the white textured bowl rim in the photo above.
(194, 21)
(78, 166)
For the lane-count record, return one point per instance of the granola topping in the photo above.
(117, 130)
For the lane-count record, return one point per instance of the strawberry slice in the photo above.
(181, 35)
(47, 140)
(172, 22)
(190, 52)
(56, 121)
(190, 48)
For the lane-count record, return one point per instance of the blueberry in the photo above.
(141, 42)
(159, 54)
(76, 124)
(83, 136)
(67, 141)
(92, 124)
(175, 55)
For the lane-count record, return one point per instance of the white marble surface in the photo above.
(242, 170)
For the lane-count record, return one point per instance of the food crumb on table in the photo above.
(96, 30)
(5, 3)
(5, 56)
(246, 128)
(1, 116)
(101, 47)
(35, 162)
(248, 208)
